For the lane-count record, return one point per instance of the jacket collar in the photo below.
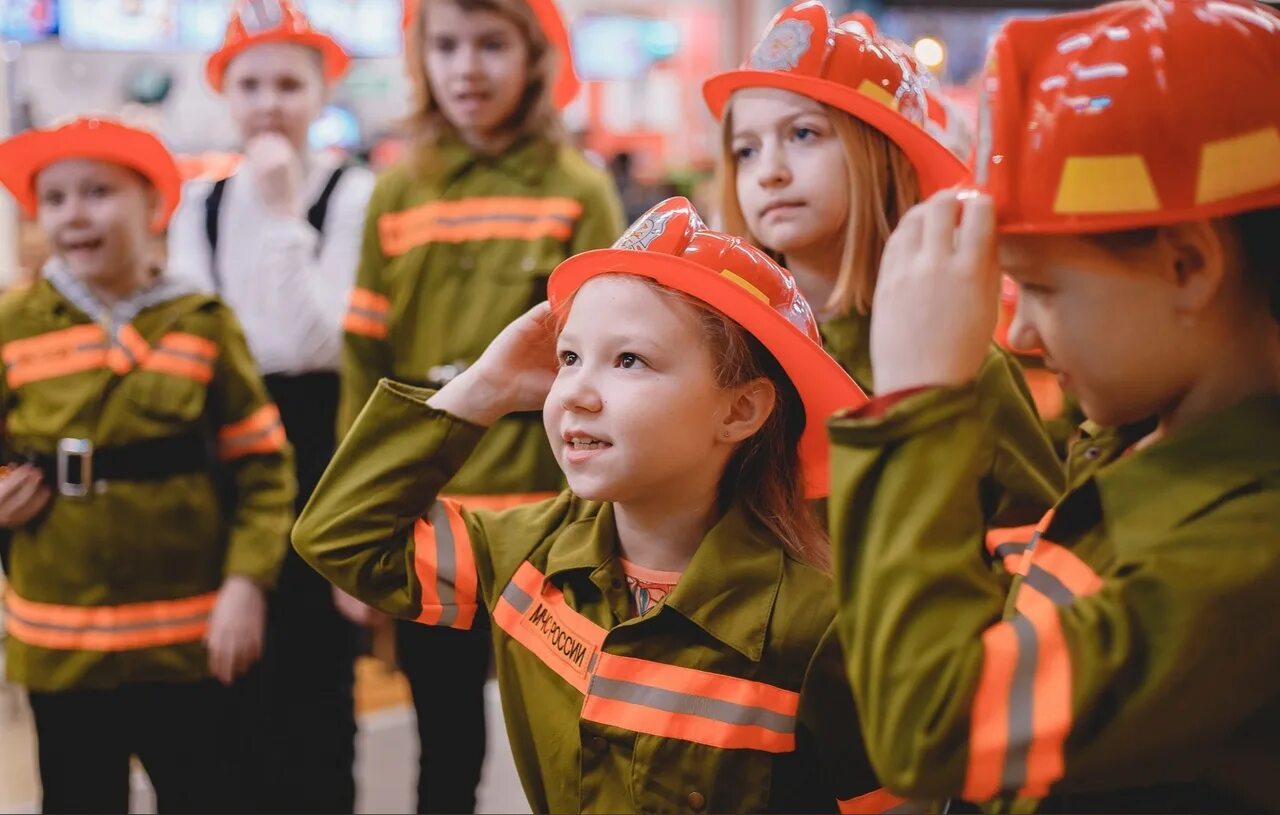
(1178, 477)
(728, 589)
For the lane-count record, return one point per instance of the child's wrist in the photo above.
(472, 398)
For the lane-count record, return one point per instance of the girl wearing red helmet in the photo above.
(1123, 655)
(683, 389)
(459, 241)
(825, 147)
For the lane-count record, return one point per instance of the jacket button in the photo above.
(697, 801)
(598, 743)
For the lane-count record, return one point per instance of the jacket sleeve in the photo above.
(366, 350)
(830, 717)
(374, 526)
(1026, 476)
(601, 222)
(257, 458)
(1094, 693)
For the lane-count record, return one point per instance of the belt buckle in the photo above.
(77, 453)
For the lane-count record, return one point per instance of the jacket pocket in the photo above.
(671, 775)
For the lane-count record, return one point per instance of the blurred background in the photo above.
(640, 112)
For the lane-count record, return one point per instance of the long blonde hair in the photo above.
(883, 185)
(535, 115)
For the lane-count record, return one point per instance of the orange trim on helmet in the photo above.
(26, 154)
(274, 21)
(805, 53)
(824, 387)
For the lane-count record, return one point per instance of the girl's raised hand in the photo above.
(937, 295)
(513, 374)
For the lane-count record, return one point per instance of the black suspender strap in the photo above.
(213, 205)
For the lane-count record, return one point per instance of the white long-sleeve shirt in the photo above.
(290, 302)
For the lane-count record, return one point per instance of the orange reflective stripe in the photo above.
(537, 616)
(180, 342)
(445, 567)
(53, 342)
(500, 502)
(109, 628)
(1008, 545)
(989, 715)
(185, 355)
(367, 314)
(697, 706)
(872, 803)
(127, 350)
(470, 219)
(261, 432)
(1051, 711)
(1021, 713)
(1057, 576)
(57, 353)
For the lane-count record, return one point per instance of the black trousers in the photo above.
(176, 730)
(446, 670)
(296, 710)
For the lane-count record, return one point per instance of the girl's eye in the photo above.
(444, 45)
(629, 361)
(99, 191)
(248, 85)
(743, 153)
(289, 85)
(51, 199)
(496, 46)
(567, 358)
(805, 133)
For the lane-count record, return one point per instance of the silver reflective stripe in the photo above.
(446, 564)
(1021, 700)
(517, 597)
(369, 314)
(1049, 586)
(707, 708)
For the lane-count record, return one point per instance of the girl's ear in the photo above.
(749, 408)
(1195, 259)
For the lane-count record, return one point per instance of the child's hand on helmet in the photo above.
(513, 374)
(937, 295)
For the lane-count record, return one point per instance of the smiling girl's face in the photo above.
(635, 413)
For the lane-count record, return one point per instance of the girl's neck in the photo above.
(111, 289)
(664, 535)
(1245, 364)
(489, 144)
(815, 273)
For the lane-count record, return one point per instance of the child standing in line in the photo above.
(279, 241)
(459, 241)
(825, 148)
(1124, 656)
(148, 490)
(682, 387)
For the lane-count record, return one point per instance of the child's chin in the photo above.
(590, 489)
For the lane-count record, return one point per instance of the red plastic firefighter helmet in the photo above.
(23, 156)
(862, 23)
(550, 20)
(254, 22)
(805, 53)
(1131, 115)
(671, 245)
